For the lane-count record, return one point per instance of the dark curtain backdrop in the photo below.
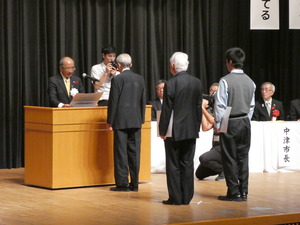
(35, 34)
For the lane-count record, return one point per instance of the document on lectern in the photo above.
(86, 99)
(170, 127)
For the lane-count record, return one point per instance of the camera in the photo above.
(211, 101)
(114, 64)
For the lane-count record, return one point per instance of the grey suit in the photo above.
(183, 96)
(57, 89)
(126, 114)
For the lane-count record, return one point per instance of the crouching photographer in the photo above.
(210, 162)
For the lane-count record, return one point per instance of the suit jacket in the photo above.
(261, 113)
(183, 96)
(156, 106)
(295, 110)
(127, 101)
(57, 90)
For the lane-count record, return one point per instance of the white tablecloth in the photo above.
(275, 147)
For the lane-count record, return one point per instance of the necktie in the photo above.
(268, 105)
(68, 86)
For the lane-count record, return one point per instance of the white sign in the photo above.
(264, 15)
(294, 14)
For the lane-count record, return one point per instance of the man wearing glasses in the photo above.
(268, 108)
(63, 86)
(157, 102)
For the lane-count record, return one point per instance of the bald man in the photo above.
(63, 86)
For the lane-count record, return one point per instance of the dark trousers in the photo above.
(127, 143)
(210, 163)
(103, 103)
(235, 145)
(180, 169)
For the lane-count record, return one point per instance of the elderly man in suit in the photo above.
(183, 102)
(268, 108)
(125, 116)
(157, 102)
(63, 86)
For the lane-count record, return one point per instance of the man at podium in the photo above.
(63, 86)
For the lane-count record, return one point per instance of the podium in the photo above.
(72, 147)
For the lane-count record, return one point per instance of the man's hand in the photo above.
(110, 127)
(217, 130)
(66, 106)
(163, 137)
(110, 69)
(97, 85)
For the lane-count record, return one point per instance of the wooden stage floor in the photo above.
(274, 198)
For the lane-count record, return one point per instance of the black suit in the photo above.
(183, 96)
(57, 90)
(295, 110)
(156, 106)
(261, 113)
(126, 114)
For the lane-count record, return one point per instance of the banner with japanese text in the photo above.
(264, 15)
(294, 14)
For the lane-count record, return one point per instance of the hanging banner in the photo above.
(264, 15)
(294, 14)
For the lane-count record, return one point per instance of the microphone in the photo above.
(91, 78)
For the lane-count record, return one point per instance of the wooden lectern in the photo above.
(72, 147)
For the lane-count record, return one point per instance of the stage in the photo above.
(273, 199)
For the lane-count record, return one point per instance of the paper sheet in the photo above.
(225, 119)
(169, 131)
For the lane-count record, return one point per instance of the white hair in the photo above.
(124, 59)
(272, 86)
(180, 61)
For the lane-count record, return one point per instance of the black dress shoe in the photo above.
(135, 189)
(220, 177)
(244, 196)
(168, 202)
(235, 198)
(124, 189)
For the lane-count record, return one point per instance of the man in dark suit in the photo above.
(63, 86)
(267, 108)
(295, 110)
(157, 102)
(183, 102)
(125, 116)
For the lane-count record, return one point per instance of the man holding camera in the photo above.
(210, 162)
(104, 72)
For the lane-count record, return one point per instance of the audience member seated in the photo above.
(295, 110)
(157, 102)
(268, 108)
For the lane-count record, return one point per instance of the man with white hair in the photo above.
(182, 101)
(268, 108)
(125, 116)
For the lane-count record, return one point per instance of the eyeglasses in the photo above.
(69, 68)
(265, 89)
